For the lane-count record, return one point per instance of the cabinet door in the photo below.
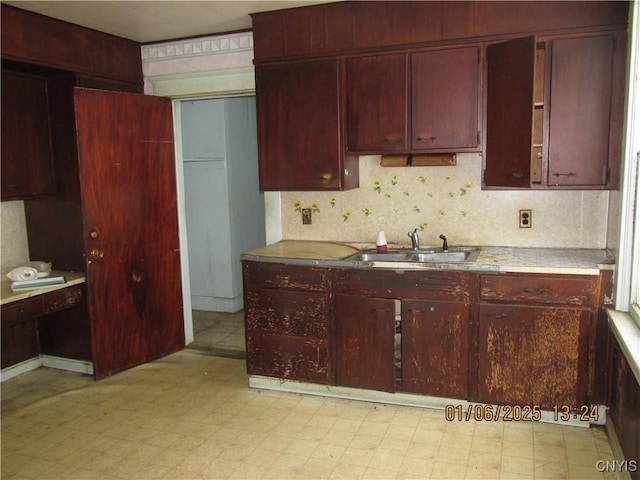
(128, 186)
(365, 344)
(580, 110)
(27, 159)
(510, 70)
(299, 127)
(435, 348)
(445, 93)
(377, 103)
(531, 355)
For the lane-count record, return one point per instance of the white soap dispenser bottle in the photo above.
(381, 243)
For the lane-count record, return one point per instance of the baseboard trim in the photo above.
(617, 448)
(71, 365)
(20, 368)
(451, 406)
(59, 363)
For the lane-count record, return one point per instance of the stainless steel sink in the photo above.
(416, 257)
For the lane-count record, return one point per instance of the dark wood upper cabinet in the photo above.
(580, 111)
(27, 159)
(36, 52)
(554, 112)
(426, 101)
(300, 142)
(377, 96)
(342, 27)
(40, 40)
(445, 100)
(414, 82)
(509, 118)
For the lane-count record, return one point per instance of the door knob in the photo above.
(96, 253)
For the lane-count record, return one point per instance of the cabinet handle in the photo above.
(496, 315)
(570, 174)
(422, 138)
(517, 175)
(325, 177)
(392, 139)
(539, 291)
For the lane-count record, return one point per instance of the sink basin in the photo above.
(413, 257)
(407, 256)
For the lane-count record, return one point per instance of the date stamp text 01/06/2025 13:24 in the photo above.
(518, 413)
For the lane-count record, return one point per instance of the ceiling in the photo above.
(155, 21)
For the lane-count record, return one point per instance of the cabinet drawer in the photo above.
(16, 312)
(566, 290)
(62, 299)
(287, 312)
(281, 276)
(426, 284)
(283, 356)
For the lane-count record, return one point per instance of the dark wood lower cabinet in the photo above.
(287, 326)
(365, 342)
(532, 355)
(435, 348)
(510, 339)
(54, 323)
(19, 343)
(287, 356)
(625, 409)
(422, 347)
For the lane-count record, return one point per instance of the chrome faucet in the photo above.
(415, 240)
(445, 245)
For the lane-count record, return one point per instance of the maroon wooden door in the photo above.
(365, 342)
(509, 113)
(532, 355)
(445, 90)
(580, 116)
(376, 112)
(435, 348)
(128, 187)
(298, 108)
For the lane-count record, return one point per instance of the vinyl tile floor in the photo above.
(219, 333)
(192, 416)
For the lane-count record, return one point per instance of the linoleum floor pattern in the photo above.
(219, 333)
(192, 416)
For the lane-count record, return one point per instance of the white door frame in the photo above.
(207, 85)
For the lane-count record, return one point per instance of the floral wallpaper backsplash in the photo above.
(445, 200)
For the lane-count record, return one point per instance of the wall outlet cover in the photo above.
(525, 218)
(306, 216)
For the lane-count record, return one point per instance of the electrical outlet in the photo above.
(306, 216)
(525, 218)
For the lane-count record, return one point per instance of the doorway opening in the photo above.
(223, 215)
